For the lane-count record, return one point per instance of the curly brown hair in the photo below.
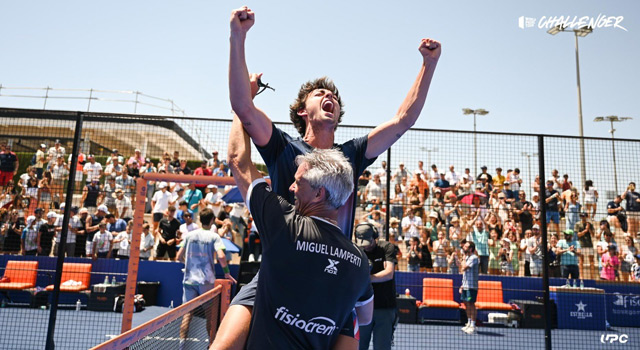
(299, 103)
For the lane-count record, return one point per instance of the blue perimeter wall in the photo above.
(169, 274)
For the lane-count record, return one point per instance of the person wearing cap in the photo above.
(585, 231)
(46, 233)
(382, 257)
(400, 174)
(92, 226)
(137, 157)
(54, 152)
(115, 155)
(81, 232)
(122, 242)
(91, 196)
(569, 250)
(113, 169)
(224, 214)
(214, 161)
(552, 208)
(40, 159)
(202, 170)
(487, 176)
(29, 237)
(616, 215)
(9, 165)
(610, 264)
(92, 169)
(160, 202)
(442, 183)
(183, 208)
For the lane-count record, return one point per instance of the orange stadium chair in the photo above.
(490, 296)
(20, 274)
(74, 272)
(438, 292)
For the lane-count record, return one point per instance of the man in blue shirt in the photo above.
(115, 226)
(193, 196)
(569, 250)
(480, 238)
(551, 205)
(306, 255)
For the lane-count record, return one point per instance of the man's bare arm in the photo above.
(239, 158)
(387, 133)
(255, 122)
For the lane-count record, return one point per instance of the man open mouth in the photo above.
(327, 106)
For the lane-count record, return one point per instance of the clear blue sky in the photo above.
(179, 49)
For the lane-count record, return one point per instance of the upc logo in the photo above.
(613, 338)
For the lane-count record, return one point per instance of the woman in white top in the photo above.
(590, 195)
(627, 258)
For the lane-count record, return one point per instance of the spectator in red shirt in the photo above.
(8, 165)
(202, 170)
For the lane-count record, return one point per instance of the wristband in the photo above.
(226, 269)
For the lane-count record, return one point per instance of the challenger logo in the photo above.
(316, 325)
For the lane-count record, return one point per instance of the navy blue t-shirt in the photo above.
(279, 155)
(632, 204)
(312, 276)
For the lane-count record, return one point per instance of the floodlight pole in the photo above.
(613, 119)
(583, 171)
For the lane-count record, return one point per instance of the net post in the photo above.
(134, 255)
(225, 296)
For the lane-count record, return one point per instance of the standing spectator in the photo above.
(590, 197)
(522, 210)
(123, 242)
(115, 155)
(123, 206)
(442, 184)
(115, 226)
(494, 251)
(469, 288)
(374, 189)
(515, 250)
(109, 194)
(505, 257)
(133, 169)
(54, 152)
(585, 231)
(127, 183)
(535, 186)
(213, 199)
(411, 225)
(398, 202)
(454, 262)
(499, 179)
(41, 158)
(101, 244)
(426, 264)
(202, 171)
(441, 248)
(363, 180)
(81, 233)
(423, 186)
(468, 176)
(223, 215)
(415, 255)
(610, 264)
(146, 243)
(12, 231)
(433, 226)
(556, 180)
(382, 173)
(29, 237)
(46, 233)
(91, 196)
(197, 254)
(60, 174)
(382, 256)
(79, 167)
(635, 269)
(193, 197)
(434, 175)
(455, 233)
(572, 211)
(92, 169)
(480, 238)
(165, 166)
(160, 202)
(535, 249)
(616, 215)
(175, 161)
(515, 181)
(633, 208)
(569, 250)
(189, 225)
(554, 258)
(421, 171)
(44, 191)
(452, 176)
(484, 174)
(551, 205)
(167, 234)
(114, 169)
(182, 168)
(603, 245)
(451, 210)
(627, 254)
(214, 161)
(137, 158)
(9, 165)
(400, 174)
(74, 225)
(416, 201)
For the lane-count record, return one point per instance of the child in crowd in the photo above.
(414, 254)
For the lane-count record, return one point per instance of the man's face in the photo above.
(111, 220)
(554, 172)
(522, 195)
(568, 238)
(451, 168)
(479, 225)
(535, 231)
(465, 248)
(171, 213)
(188, 219)
(420, 165)
(376, 178)
(321, 108)
(302, 190)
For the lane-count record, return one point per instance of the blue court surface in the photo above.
(26, 328)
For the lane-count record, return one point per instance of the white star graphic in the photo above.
(581, 306)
